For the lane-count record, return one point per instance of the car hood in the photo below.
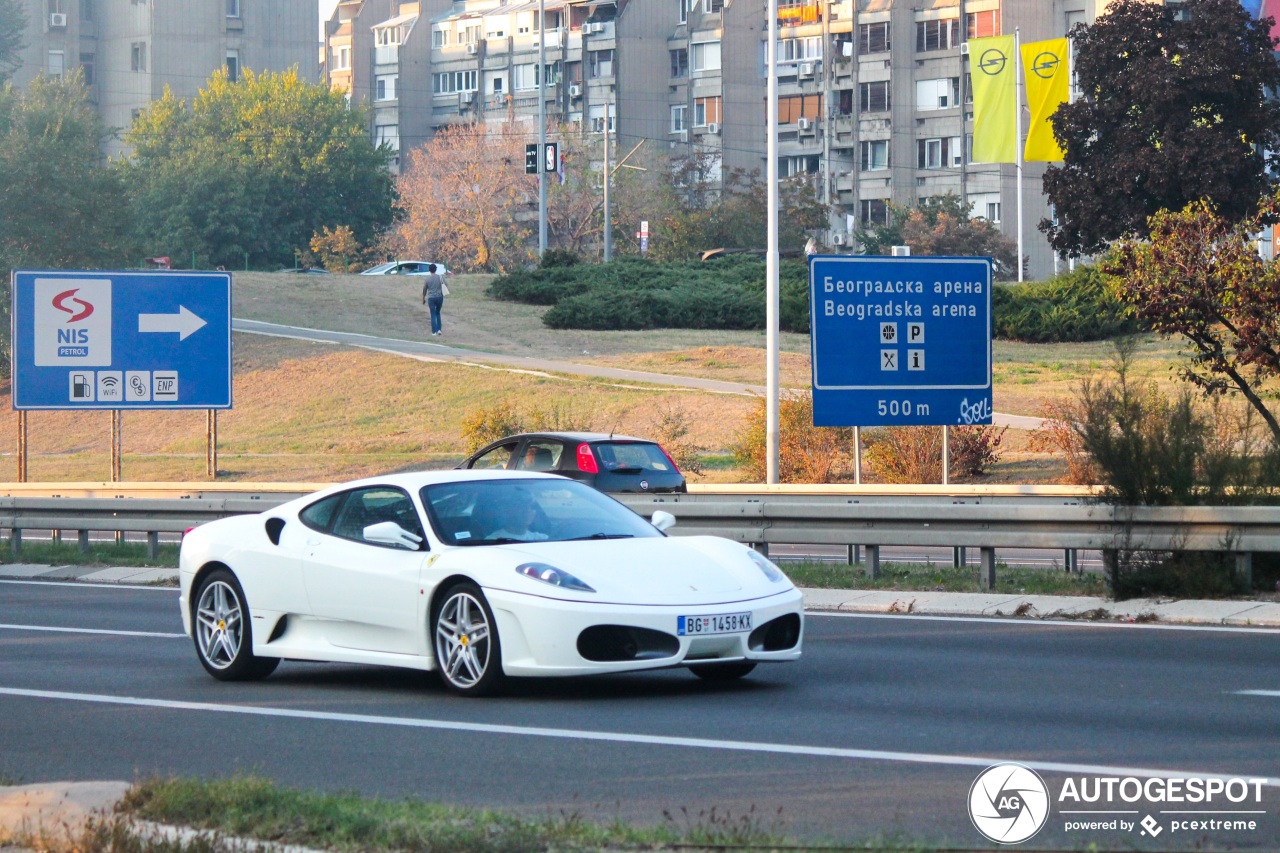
(658, 571)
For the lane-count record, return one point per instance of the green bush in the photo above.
(632, 293)
(1074, 306)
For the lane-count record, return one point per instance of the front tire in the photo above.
(468, 651)
(223, 633)
(721, 672)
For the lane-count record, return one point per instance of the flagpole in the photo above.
(1017, 130)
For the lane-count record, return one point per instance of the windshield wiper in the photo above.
(602, 536)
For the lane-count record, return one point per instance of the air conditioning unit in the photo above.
(838, 239)
(804, 123)
(473, 49)
(575, 90)
(806, 69)
(713, 128)
(900, 251)
(964, 49)
(590, 28)
(466, 97)
(57, 19)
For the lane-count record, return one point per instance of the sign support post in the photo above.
(211, 454)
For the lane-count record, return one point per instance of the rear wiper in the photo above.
(602, 536)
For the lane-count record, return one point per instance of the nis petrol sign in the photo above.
(107, 340)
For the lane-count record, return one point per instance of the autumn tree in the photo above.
(1174, 108)
(942, 225)
(1199, 276)
(467, 200)
(255, 167)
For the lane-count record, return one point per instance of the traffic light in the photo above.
(551, 160)
(531, 158)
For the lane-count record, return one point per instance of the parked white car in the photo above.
(405, 268)
(480, 575)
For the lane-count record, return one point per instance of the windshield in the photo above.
(498, 512)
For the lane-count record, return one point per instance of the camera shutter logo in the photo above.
(1008, 803)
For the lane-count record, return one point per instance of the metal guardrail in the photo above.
(983, 518)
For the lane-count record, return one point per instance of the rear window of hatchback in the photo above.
(632, 456)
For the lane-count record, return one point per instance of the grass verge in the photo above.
(253, 807)
(936, 577)
(99, 554)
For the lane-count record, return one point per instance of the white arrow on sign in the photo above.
(184, 323)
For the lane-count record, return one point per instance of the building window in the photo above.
(342, 58)
(800, 50)
(873, 97)
(937, 35)
(233, 8)
(874, 155)
(233, 65)
(804, 164)
(938, 94)
(682, 11)
(601, 63)
(678, 119)
(86, 65)
(448, 82)
(792, 108)
(496, 86)
(596, 117)
(706, 111)
(471, 35)
(712, 7)
(57, 64)
(941, 153)
(524, 76)
(86, 10)
(138, 56)
(385, 87)
(680, 62)
(986, 206)
(705, 56)
(983, 24)
(55, 7)
(873, 211)
(873, 38)
(388, 134)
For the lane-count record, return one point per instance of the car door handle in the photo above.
(313, 542)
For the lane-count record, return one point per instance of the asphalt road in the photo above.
(879, 731)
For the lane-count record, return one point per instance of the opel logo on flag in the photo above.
(1045, 65)
(992, 62)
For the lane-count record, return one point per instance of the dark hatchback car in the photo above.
(610, 463)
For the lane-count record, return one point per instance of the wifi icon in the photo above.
(110, 386)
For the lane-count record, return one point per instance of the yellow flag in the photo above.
(1044, 65)
(995, 88)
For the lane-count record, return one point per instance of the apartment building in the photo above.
(130, 50)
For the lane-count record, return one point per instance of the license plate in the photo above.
(727, 623)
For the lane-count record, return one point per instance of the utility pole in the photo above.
(542, 128)
(772, 287)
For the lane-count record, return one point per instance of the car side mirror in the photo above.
(663, 520)
(390, 533)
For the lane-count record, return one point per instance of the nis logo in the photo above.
(73, 322)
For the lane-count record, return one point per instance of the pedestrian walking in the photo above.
(433, 291)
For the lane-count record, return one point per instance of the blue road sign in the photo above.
(121, 340)
(900, 340)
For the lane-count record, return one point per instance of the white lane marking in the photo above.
(629, 738)
(1271, 693)
(88, 631)
(1055, 623)
(91, 585)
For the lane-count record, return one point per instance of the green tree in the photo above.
(1174, 108)
(12, 23)
(942, 225)
(1200, 276)
(59, 206)
(255, 167)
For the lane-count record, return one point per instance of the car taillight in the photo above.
(674, 466)
(587, 460)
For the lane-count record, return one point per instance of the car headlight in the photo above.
(772, 572)
(552, 575)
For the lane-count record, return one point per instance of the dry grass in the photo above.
(320, 412)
